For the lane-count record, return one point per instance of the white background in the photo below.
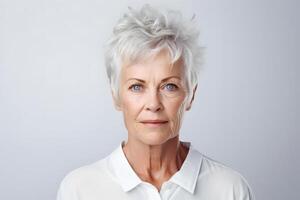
(56, 112)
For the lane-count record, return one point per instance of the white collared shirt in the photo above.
(113, 178)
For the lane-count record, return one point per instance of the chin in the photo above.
(155, 138)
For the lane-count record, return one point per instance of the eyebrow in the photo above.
(164, 80)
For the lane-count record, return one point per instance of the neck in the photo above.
(155, 163)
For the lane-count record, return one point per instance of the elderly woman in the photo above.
(152, 64)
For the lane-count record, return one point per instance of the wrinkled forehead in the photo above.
(156, 67)
(159, 64)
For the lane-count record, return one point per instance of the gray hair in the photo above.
(141, 33)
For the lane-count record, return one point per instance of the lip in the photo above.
(154, 123)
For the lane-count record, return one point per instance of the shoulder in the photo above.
(86, 180)
(218, 171)
(86, 173)
(215, 176)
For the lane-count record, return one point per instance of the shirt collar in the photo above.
(188, 174)
(121, 169)
(186, 177)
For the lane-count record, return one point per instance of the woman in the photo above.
(152, 64)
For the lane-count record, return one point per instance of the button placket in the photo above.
(151, 191)
(166, 191)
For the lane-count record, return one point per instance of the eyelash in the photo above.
(175, 87)
(134, 85)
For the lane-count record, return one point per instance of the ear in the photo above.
(190, 103)
(116, 101)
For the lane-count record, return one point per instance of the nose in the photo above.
(153, 101)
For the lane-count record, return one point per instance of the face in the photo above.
(152, 97)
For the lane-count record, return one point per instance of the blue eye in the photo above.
(171, 87)
(136, 88)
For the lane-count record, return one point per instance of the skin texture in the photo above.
(153, 89)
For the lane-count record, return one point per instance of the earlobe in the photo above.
(190, 103)
(116, 102)
(117, 107)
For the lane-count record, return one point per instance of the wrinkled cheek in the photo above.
(177, 120)
(130, 117)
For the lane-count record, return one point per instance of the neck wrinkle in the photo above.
(156, 162)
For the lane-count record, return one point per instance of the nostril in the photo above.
(154, 107)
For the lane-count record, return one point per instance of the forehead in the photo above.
(158, 66)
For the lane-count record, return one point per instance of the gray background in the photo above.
(56, 111)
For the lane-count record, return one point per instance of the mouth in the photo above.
(154, 123)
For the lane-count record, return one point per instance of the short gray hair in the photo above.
(146, 31)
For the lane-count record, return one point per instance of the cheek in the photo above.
(131, 106)
(175, 107)
(175, 112)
